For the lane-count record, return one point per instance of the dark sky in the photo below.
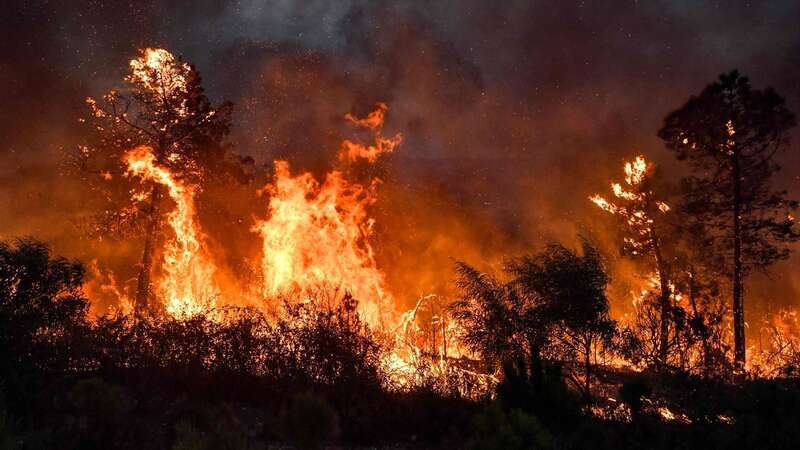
(518, 108)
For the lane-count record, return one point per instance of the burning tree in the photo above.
(187, 286)
(163, 107)
(730, 134)
(644, 218)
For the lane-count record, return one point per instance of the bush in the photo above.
(98, 414)
(309, 421)
(493, 428)
(188, 437)
(8, 438)
(539, 389)
(632, 393)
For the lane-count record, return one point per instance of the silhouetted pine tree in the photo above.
(729, 134)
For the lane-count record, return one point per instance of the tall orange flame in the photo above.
(317, 234)
(187, 284)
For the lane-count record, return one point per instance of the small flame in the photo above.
(351, 151)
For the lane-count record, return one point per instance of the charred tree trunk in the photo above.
(664, 303)
(704, 331)
(588, 364)
(143, 282)
(738, 286)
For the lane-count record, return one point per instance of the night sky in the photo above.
(512, 114)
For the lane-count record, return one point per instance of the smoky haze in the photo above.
(512, 114)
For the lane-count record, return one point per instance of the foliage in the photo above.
(495, 429)
(729, 134)
(309, 421)
(496, 319)
(632, 394)
(555, 304)
(8, 438)
(42, 307)
(538, 388)
(572, 288)
(188, 437)
(162, 106)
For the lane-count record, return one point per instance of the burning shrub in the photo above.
(310, 344)
(778, 353)
(328, 345)
(695, 341)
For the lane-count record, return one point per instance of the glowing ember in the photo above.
(187, 284)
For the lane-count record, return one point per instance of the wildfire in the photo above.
(102, 287)
(779, 345)
(317, 234)
(187, 284)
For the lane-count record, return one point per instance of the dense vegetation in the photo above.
(315, 377)
(552, 369)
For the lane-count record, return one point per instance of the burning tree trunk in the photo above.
(738, 287)
(664, 301)
(187, 283)
(143, 280)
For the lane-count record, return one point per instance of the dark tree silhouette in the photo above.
(497, 320)
(730, 134)
(163, 107)
(571, 287)
(42, 307)
(556, 302)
